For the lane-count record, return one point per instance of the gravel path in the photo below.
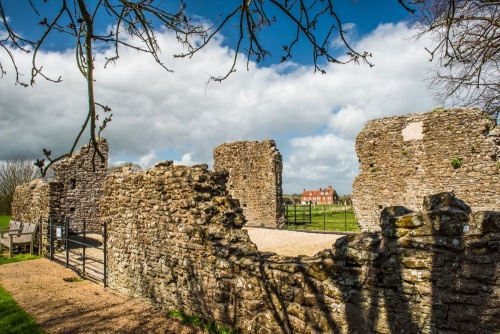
(61, 303)
(291, 243)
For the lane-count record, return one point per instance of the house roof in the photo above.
(317, 192)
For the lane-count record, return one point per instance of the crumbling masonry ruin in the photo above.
(74, 191)
(255, 170)
(404, 158)
(175, 239)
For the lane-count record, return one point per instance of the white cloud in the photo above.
(187, 160)
(320, 161)
(159, 115)
(148, 160)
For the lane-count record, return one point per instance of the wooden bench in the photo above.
(14, 228)
(16, 238)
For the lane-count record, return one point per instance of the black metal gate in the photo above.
(80, 249)
(298, 214)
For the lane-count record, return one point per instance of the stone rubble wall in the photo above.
(74, 192)
(35, 199)
(83, 175)
(404, 158)
(175, 240)
(255, 172)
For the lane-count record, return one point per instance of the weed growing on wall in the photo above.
(209, 326)
(456, 162)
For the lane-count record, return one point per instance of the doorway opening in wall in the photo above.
(77, 243)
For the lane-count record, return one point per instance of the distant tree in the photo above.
(466, 36)
(12, 174)
(141, 18)
(345, 199)
(133, 166)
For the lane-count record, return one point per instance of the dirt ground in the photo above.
(61, 303)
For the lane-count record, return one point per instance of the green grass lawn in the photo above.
(18, 258)
(329, 218)
(4, 221)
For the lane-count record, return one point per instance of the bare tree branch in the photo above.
(466, 34)
(315, 21)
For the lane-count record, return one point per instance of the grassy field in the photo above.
(4, 221)
(325, 217)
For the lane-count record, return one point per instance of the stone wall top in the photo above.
(175, 240)
(404, 158)
(74, 190)
(255, 170)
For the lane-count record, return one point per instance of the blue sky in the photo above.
(313, 118)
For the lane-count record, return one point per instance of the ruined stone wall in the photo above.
(175, 240)
(36, 202)
(83, 175)
(255, 171)
(404, 158)
(75, 191)
(36, 199)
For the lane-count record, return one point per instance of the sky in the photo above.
(158, 115)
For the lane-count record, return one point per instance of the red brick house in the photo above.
(321, 196)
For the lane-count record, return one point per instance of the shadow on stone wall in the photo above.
(182, 249)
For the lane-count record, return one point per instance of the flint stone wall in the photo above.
(255, 170)
(74, 191)
(404, 158)
(35, 199)
(175, 240)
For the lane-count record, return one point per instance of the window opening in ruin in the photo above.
(71, 209)
(72, 184)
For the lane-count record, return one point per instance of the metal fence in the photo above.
(82, 250)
